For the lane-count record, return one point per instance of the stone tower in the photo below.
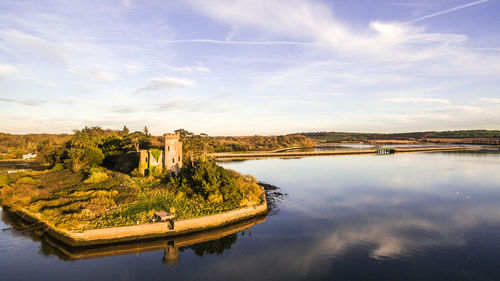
(172, 160)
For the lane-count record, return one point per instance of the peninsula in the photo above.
(101, 187)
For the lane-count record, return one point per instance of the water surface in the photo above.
(418, 216)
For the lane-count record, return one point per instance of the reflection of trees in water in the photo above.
(21, 165)
(52, 247)
(217, 246)
(21, 227)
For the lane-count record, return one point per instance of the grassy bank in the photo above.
(103, 198)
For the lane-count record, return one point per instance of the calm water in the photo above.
(427, 216)
(353, 146)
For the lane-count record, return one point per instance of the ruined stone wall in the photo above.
(147, 160)
(143, 161)
(170, 158)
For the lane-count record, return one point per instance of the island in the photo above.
(101, 187)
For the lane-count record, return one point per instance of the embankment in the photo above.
(146, 231)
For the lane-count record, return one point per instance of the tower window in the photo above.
(168, 148)
(173, 160)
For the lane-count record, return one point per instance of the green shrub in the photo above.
(136, 173)
(3, 180)
(27, 180)
(58, 167)
(96, 176)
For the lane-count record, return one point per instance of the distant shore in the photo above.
(269, 154)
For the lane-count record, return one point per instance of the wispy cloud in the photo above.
(95, 74)
(489, 100)
(198, 68)
(447, 11)
(229, 42)
(38, 46)
(292, 62)
(165, 83)
(7, 69)
(76, 57)
(380, 42)
(417, 100)
(23, 102)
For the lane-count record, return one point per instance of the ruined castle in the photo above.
(170, 159)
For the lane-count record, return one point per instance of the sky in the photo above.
(246, 67)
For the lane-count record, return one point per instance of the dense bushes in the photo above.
(207, 181)
(92, 147)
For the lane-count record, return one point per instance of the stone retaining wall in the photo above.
(154, 230)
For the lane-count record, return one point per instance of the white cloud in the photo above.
(23, 102)
(489, 100)
(34, 44)
(133, 68)
(417, 100)
(165, 83)
(95, 74)
(239, 42)
(295, 18)
(76, 56)
(390, 42)
(7, 69)
(199, 68)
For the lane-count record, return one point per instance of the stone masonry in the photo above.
(170, 159)
(173, 153)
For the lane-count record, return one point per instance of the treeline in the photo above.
(467, 134)
(203, 142)
(122, 141)
(348, 136)
(15, 146)
(362, 137)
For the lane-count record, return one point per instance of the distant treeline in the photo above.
(259, 143)
(468, 134)
(15, 146)
(247, 143)
(347, 136)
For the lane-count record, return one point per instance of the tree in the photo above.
(136, 141)
(183, 133)
(125, 131)
(132, 141)
(146, 131)
(83, 149)
(85, 158)
(112, 148)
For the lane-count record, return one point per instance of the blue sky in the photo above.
(244, 67)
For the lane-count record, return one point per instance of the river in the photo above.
(415, 216)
